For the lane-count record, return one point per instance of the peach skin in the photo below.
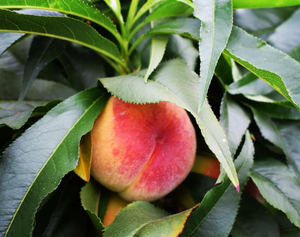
(142, 151)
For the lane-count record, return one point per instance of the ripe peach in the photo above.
(207, 165)
(142, 151)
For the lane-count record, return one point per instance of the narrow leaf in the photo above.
(180, 47)
(283, 134)
(17, 117)
(115, 6)
(158, 46)
(216, 214)
(43, 51)
(278, 187)
(146, 220)
(7, 40)
(59, 27)
(182, 26)
(177, 83)
(90, 196)
(169, 8)
(263, 60)
(149, 4)
(216, 23)
(34, 164)
(254, 220)
(250, 84)
(234, 120)
(287, 36)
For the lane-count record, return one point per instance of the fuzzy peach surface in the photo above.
(142, 151)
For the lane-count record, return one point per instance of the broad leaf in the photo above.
(77, 8)
(235, 120)
(43, 51)
(146, 220)
(219, 207)
(34, 164)
(59, 27)
(263, 60)
(278, 187)
(287, 36)
(177, 83)
(216, 23)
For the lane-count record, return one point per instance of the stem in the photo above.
(136, 43)
(121, 68)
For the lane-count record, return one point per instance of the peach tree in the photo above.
(232, 65)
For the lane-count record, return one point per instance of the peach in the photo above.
(142, 151)
(207, 165)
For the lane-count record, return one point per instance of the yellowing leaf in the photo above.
(83, 168)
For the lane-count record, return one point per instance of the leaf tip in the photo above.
(237, 188)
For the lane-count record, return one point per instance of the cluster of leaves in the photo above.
(61, 60)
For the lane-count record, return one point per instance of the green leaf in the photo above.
(186, 27)
(151, 3)
(115, 6)
(250, 84)
(59, 27)
(263, 60)
(224, 71)
(287, 36)
(216, 214)
(146, 220)
(42, 51)
(158, 46)
(261, 22)
(169, 8)
(90, 196)
(216, 23)
(254, 220)
(177, 83)
(276, 110)
(278, 187)
(17, 117)
(82, 66)
(283, 134)
(77, 8)
(180, 47)
(7, 40)
(60, 211)
(235, 120)
(264, 3)
(34, 164)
